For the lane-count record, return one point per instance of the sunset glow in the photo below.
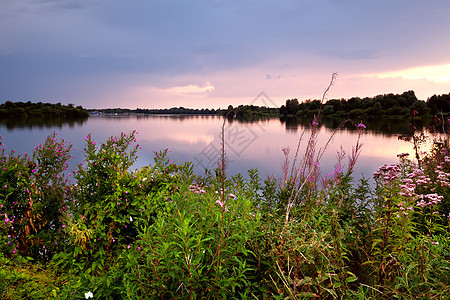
(439, 74)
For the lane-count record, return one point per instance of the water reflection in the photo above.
(48, 123)
(380, 126)
(255, 144)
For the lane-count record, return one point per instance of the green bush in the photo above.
(34, 193)
(199, 248)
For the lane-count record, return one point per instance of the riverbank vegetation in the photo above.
(108, 231)
(381, 106)
(388, 105)
(28, 110)
(163, 111)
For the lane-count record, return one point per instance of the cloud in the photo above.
(192, 89)
(434, 73)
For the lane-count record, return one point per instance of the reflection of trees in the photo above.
(292, 123)
(32, 123)
(377, 126)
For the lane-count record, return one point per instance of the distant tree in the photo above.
(420, 107)
(438, 104)
(292, 106)
(377, 109)
(407, 99)
(27, 110)
(328, 110)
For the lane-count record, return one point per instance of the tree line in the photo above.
(164, 111)
(28, 110)
(387, 105)
(381, 105)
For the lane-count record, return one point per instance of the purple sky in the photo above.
(206, 53)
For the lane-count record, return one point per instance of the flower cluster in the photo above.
(196, 189)
(387, 173)
(403, 207)
(443, 178)
(429, 199)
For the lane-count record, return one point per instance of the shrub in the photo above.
(200, 247)
(33, 198)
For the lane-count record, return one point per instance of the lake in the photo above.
(256, 144)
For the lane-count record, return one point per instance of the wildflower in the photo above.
(222, 205)
(88, 295)
(361, 125)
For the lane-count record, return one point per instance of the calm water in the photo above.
(197, 138)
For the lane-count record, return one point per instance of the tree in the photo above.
(328, 110)
(439, 104)
(291, 106)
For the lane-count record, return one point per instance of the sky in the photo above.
(212, 53)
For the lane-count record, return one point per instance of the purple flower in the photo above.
(361, 125)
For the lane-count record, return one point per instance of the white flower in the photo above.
(131, 219)
(88, 295)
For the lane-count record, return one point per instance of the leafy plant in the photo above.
(33, 198)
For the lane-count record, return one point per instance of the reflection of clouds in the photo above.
(388, 149)
(188, 137)
(192, 138)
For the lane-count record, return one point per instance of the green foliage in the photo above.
(249, 112)
(388, 105)
(24, 278)
(33, 197)
(163, 232)
(439, 104)
(105, 197)
(198, 249)
(27, 110)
